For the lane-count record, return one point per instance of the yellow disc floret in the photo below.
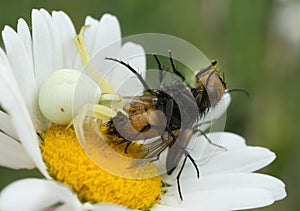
(67, 162)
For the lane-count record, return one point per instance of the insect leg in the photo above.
(144, 83)
(206, 122)
(174, 68)
(148, 126)
(209, 141)
(194, 163)
(144, 128)
(105, 86)
(178, 177)
(238, 90)
(187, 155)
(171, 133)
(159, 67)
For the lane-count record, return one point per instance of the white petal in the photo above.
(20, 63)
(248, 159)
(13, 155)
(108, 32)
(24, 33)
(57, 52)
(65, 28)
(12, 102)
(227, 192)
(223, 200)
(90, 33)
(122, 79)
(106, 207)
(160, 207)
(203, 151)
(244, 160)
(43, 49)
(20, 57)
(7, 126)
(102, 39)
(36, 194)
(64, 207)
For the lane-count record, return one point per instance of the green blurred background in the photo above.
(257, 44)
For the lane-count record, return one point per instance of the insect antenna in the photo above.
(144, 83)
(238, 90)
(174, 68)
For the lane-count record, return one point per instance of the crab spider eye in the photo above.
(61, 89)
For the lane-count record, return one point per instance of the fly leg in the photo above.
(144, 83)
(206, 122)
(187, 155)
(174, 68)
(209, 141)
(178, 177)
(148, 126)
(161, 77)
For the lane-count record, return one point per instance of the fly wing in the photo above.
(178, 149)
(153, 150)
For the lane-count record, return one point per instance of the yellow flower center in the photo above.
(68, 163)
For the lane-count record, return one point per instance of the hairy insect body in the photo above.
(135, 123)
(209, 88)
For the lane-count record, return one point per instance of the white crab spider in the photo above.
(56, 96)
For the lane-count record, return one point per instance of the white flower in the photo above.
(226, 183)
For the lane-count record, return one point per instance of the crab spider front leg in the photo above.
(88, 118)
(95, 111)
(105, 86)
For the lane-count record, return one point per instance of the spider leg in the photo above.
(105, 86)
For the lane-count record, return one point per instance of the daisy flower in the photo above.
(72, 181)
